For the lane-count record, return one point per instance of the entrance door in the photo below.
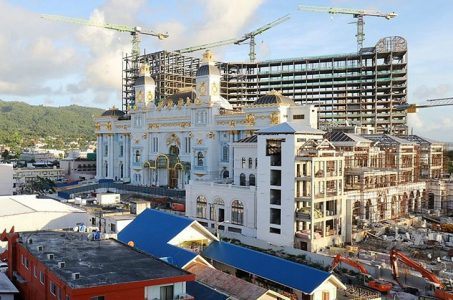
(221, 215)
(173, 178)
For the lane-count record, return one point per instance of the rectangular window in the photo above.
(26, 263)
(276, 177)
(41, 277)
(121, 150)
(276, 196)
(274, 230)
(53, 288)
(298, 117)
(325, 296)
(166, 292)
(275, 216)
(98, 298)
(113, 227)
(35, 272)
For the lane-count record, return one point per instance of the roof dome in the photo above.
(208, 70)
(274, 97)
(113, 112)
(208, 67)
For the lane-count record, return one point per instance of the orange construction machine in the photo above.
(379, 285)
(439, 292)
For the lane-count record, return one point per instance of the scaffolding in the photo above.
(350, 89)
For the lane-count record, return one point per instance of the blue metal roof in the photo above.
(152, 229)
(287, 273)
(201, 291)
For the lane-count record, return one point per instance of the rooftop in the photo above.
(290, 128)
(231, 285)
(97, 261)
(152, 230)
(387, 139)
(297, 276)
(339, 136)
(249, 139)
(6, 286)
(25, 204)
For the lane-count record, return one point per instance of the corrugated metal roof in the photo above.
(231, 285)
(202, 291)
(287, 273)
(290, 128)
(151, 231)
(249, 139)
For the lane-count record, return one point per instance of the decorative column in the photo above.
(110, 157)
(99, 156)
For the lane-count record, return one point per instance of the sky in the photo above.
(54, 63)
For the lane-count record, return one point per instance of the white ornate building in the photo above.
(262, 170)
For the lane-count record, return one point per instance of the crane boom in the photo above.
(134, 31)
(238, 41)
(412, 108)
(206, 46)
(356, 13)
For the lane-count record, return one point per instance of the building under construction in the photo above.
(355, 88)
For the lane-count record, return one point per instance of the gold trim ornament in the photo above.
(275, 118)
(210, 135)
(215, 88)
(150, 96)
(98, 126)
(249, 119)
(202, 89)
(197, 101)
(109, 125)
(139, 97)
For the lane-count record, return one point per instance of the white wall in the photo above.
(228, 193)
(43, 220)
(153, 292)
(6, 179)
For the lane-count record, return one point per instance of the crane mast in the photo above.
(359, 14)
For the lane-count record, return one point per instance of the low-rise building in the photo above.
(185, 243)
(66, 265)
(24, 176)
(6, 179)
(78, 168)
(28, 213)
(7, 288)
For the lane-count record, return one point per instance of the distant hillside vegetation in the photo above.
(23, 123)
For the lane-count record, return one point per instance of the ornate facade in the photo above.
(187, 136)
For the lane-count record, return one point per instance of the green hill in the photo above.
(21, 123)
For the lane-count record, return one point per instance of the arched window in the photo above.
(200, 159)
(217, 211)
(121, 170)
(225, 174)
(106, 169)
(251, 179)
(202, 203)
(225, 153)
(137, 156)
(243, 162)
(242, 179)
(250, 163)
(237, 212)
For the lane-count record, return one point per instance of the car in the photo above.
(3, 267)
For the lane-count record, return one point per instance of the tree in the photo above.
(40, 186)
(5, 154)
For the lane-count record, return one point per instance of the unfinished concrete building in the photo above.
(381, 179)
(355, 88)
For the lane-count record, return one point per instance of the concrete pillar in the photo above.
(110, 157)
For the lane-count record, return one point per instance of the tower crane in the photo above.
(396, 255)
(239, 41)
(412, 108)
(379, 285)
(135, 31)
(359, 14)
